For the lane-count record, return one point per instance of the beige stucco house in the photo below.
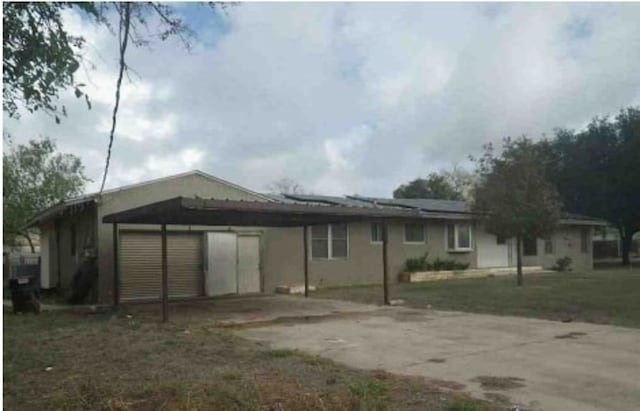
(208, 261)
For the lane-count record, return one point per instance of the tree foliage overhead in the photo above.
(39, 57)
(513, 197)
(445, 186)
(36, 177)
(597, 170)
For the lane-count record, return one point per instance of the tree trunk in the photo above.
(33, 249)
(519, 260)
(626, 238)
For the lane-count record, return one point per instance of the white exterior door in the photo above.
(248, 264)
(222, 255)
(490, 252)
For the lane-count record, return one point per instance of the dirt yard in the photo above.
(73, 361)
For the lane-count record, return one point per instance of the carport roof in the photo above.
(198, 211)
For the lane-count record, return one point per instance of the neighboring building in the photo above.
(258, 259)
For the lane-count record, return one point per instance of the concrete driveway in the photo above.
(538, 364)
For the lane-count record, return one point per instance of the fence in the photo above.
(603, 249)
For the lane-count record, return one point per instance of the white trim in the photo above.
(457, 249)
(330, 256)
(424, 234)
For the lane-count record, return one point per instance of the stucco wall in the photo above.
(283, 256)
(281, 248)
(566, 242)
(188, 186)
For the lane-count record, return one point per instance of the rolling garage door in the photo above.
(141, 276)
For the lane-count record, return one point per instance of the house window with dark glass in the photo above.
(529, 247)
(459, 237)
(329, 241)
(376, 232)
(414, 233)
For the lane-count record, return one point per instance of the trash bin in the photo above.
(25, 295)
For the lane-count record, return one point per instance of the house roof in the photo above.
(90, 198)
(423, 208)
(429, 208)
(198, 211)
(426, 204)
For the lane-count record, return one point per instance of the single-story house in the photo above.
(260, 259)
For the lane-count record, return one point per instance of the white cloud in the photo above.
(349, 98)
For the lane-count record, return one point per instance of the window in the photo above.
(548, 245)
(329, 241)
(320, 241)
(72, 239)
(459, 237)
(584, 240)
(500, 240)
(339, 239)
(414, 233)
(376, 232)
(530, 247)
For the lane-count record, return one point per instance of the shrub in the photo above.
(412, 265)
(442, 265)
(416, 264)
(563, 264)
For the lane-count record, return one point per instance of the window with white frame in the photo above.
(376, 232)
(329, 241)
(459, 237)
(414, 233)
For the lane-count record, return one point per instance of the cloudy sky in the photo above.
(345, 98)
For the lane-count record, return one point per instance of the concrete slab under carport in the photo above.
(248, 311)
(563, 366)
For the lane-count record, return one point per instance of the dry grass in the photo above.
(71, 361)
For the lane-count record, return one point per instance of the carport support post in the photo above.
(305, 234)
(116, 272)
(165, 280)
(385, 263)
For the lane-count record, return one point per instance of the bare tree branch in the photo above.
(125, 23)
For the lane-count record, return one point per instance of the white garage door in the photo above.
(141, 275)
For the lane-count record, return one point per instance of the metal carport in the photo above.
(208, 212)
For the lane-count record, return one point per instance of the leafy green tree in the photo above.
(597, 171)
(39, 56)
(513, 197)
(435, 186)
(36, 177)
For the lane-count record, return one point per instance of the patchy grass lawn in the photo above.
(603, 297)
(59, 360)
